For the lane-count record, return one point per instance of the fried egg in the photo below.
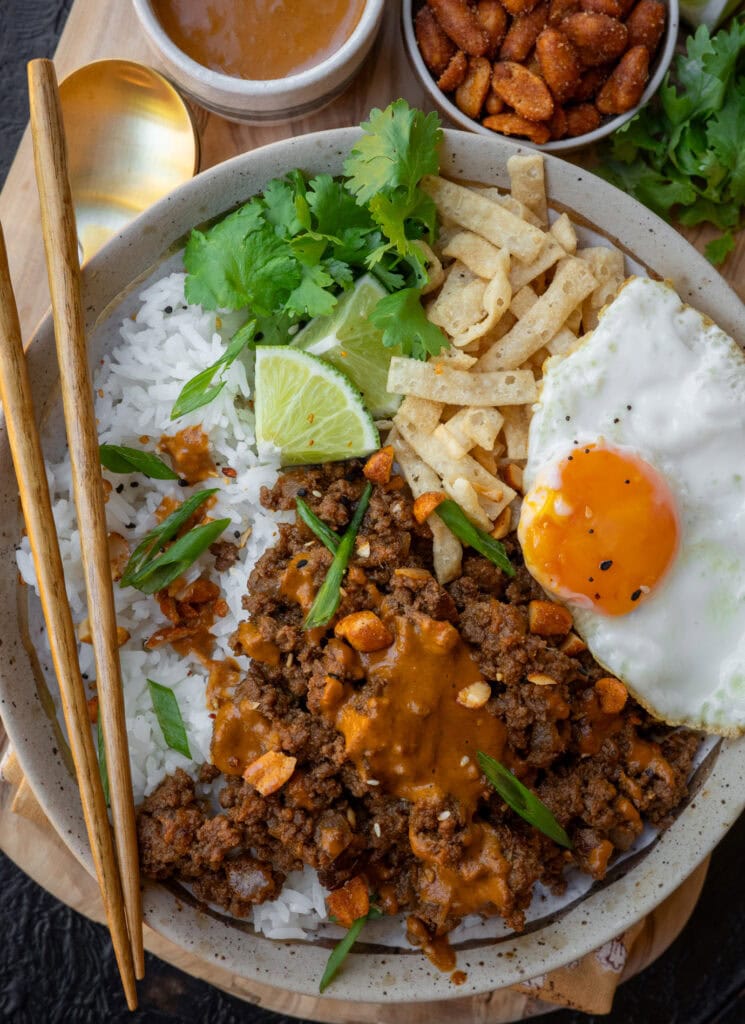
(634, 510)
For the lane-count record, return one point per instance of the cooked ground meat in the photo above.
(313, 697)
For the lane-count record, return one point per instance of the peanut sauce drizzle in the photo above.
(189, 450)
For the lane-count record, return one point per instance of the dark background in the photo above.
(57, 966)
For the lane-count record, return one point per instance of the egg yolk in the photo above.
(599, 529)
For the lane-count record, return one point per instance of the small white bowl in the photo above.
(264, 101)
(659, 67)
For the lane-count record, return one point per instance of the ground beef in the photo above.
(601, 774)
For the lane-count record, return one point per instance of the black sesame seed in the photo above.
(590, 579)
(85, 675)
(183, 483)
(570, 458)
(237, 534)
(597, 597)
(567, 418)
(168, 309)
(606, 564)
(301, 564)
(302, 491)
(120, 488)
(130, 526)
(627, 481)
(616, 420)
(591, 530)
(636, 595)
(587, 451)
(134, 483)
(629, 408)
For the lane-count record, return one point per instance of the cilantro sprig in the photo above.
(683, 155)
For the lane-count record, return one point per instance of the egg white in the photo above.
(657, 379)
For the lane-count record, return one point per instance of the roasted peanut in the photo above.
(612, 694)
(513, 124)
(269, 772)
(350, 902)
(493, 104)
(474, 695)
(560, 9)
(559, 63)
(612, 8)
(573, 645)
(426, 504)
(520, 89)
(558, 123)
(471, 93)
(519, 7)
(118, 555)
(546, 618)
(454, 73)
(646, 23)
(378, 467)
(364, 631)
(523, 32)
(435, 47)
(85, 636)
(591, 82)
(582, 119)
(459, 21)
(493, 20)
(625, 87)
(597, 37)
(502, 524)
(598, 857)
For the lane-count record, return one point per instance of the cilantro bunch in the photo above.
(286, 255)
(683, 156)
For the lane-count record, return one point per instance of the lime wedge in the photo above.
(307, 409)
(348, 341)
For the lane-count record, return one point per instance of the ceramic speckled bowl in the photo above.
(372, 972)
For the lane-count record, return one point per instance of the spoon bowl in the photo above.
(131, 141)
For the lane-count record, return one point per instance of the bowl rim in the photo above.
(369, 975)
(446, 105)
(265, 87)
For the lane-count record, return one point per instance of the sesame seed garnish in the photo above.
(376, 829)
(120, 488)
(616, 420)
(597, 597)
(590, 579)
(464, 761)
(373, 782)
(301, 564)
(636, 595)
(606, 564)
(316, 494)
(443, 816)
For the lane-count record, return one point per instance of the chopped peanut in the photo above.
(118, 555)
(86, 637)
(378, 467)
(411, 572)
(92, 703)
(426, 504)
(625, 807)
(598, 857)
(612, 693)
(513, 475)
(502, 523)
(546, 618)
(350, 902)
(364, 631)
(333, 691)
(475, 695)
(269, 772)
(541, 679)
(573, 645)
(363, 548)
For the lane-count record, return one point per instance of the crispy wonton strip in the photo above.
(439, 383)
(528, 185)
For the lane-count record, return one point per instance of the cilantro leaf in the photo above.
(719, 248)
(403, 322)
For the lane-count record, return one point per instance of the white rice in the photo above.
(136, 386)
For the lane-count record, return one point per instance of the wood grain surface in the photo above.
(97, 29)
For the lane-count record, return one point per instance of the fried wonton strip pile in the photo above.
(511, 292)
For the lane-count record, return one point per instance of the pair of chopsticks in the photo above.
(116, 862)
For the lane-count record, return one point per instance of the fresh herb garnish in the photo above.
(522, 800)
(200, 390)
(328, 597)
(102, 769)
(177, 558)
(341, 950)
(683, 154)
(145, 555)
(169, 717)
(455, 519)
(404, 324)
(117, 458)
(324, 533)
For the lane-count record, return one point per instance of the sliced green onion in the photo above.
(522, 800)
(117, 458)
(456, 521)
(176, 559)
(341, 950)
(102, 769)
(324, 533)
(200, 390)
(169, 717)
(328, 597)
(156, 539)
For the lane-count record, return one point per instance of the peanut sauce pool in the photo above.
(258, 39)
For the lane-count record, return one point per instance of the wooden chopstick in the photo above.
(15, 394)
(63, 271)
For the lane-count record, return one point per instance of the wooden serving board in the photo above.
(98, 30)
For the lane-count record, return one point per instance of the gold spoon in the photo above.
(130, 140)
